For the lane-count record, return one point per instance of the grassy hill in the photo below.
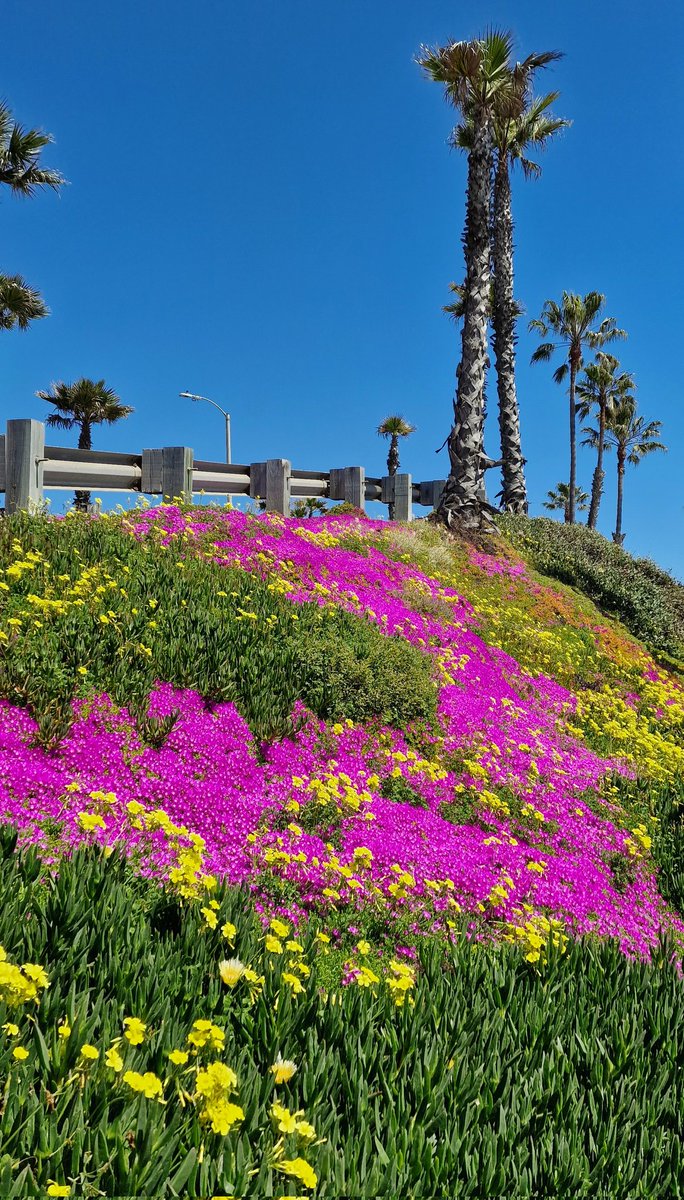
(401, 813)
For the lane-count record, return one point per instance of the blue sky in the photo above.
(262, 208)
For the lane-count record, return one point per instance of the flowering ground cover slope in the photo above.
(398, 749)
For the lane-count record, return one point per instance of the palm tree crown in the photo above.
(20, 151)
(81, 405)
(559, 498)
(19, 303)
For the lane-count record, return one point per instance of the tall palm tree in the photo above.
(19, 303)
(394, 428)
(604, 390)
(575, 323)
(560, 499)
(81, 405)
(515, 134)
(633, 438)
(20, 151)
(474, 74)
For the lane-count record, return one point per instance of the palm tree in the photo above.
(560, 498)
(20, 151)
(19, 303)
(308, 506)
(474, 74)
(81, 405)
(394, 428)
(603, 390)
(574, 324)
(632, 439)
(514, 134)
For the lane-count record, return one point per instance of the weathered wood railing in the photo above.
(28, 467)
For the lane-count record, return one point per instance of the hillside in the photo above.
(402, 811)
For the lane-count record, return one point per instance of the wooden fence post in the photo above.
(403, 498)
(151, 475)
(355, 486)
(2, 463)
(278, 485)
(24, 461)
(257, 481)
(176, 473)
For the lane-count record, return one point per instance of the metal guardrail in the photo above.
(28, 467)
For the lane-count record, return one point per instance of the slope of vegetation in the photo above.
(337, 857)
(648, 600)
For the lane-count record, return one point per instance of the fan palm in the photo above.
(603, 390)
(19, 303)
(474, 75)
(20, 151)
(515, 133)
(632, 438)
(394, 428)
(575, 323)
(560, 499)
(81, 405)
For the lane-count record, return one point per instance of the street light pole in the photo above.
(226, 417)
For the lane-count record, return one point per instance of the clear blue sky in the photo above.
(263, 208)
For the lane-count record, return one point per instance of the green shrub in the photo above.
(645, 598)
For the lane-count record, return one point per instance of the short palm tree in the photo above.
(81, 405)
(515, 134)
(394, 428)
(308, 506)
(474, 75)
(602, 390)
(574, 323)
(19, 303)
(20, 151)
(560, 499)
(632, 438)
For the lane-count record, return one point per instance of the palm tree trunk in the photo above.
(85, 442)
(570, 517)
(618, 536)
(599, 473)
(514, 495)
(461, 497)
(393, 466)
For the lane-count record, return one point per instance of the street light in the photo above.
(192, 396)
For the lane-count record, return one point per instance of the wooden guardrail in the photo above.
(28, 467)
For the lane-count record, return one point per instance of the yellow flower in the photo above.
(88, 1051)
(231, 971)
(283, 1069)
(134, 1030)
(216, 1081)
(229, 931)
(11, 1029)
(294, 982)
(287, 1123)
(210, 917)
(363, 946)
(20, 1053)
(300, 1169)
(178, 1057)
(280, 928)
(305, 1130)
(90, 821)
(148, 1084)
(81, 671)
(113, 1059)
(64, 1029)
(273, 945)
(294, 947)
(57, 1189)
